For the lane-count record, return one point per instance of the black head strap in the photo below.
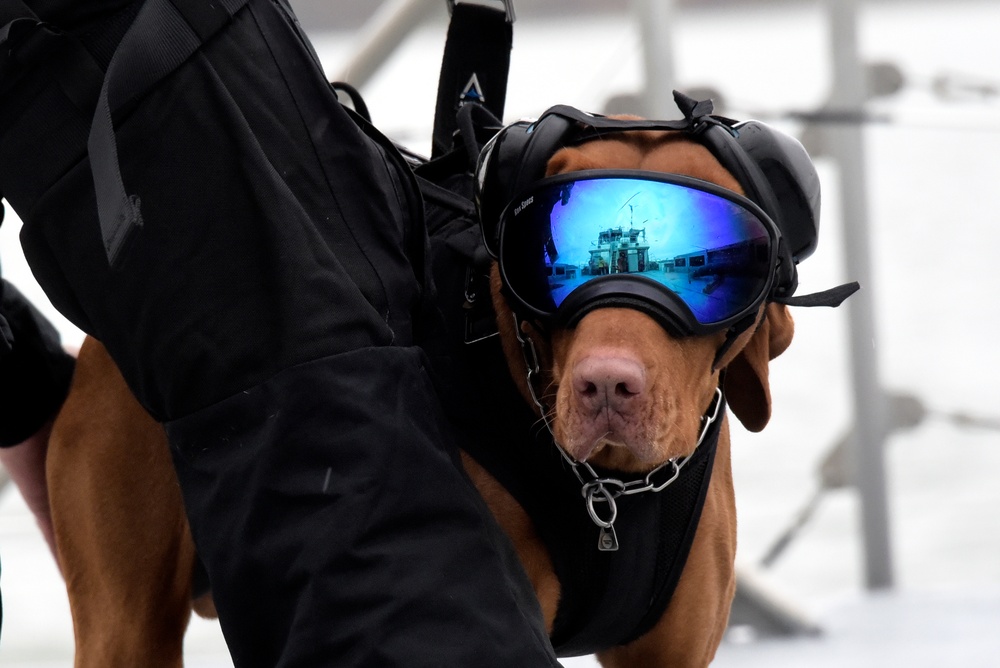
(833, 297)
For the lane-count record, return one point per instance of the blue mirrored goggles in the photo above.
(697, 256)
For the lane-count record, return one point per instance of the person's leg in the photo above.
(265, 311)
(35, 373)
(346, 540)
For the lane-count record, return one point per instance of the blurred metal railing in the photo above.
(395, 19)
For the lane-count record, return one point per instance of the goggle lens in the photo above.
(711, 250)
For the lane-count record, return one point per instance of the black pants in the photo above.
(34, 369)
(272, 310)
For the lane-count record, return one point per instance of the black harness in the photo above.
(608, 597)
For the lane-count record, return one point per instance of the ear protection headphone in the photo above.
(773, 168)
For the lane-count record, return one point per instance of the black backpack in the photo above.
(82, 105)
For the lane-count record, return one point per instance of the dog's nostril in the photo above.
(623, 390)
(608, 379)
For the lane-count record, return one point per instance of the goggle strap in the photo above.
(731, 335)
(697, 117)
(833, 297)
(599, 126)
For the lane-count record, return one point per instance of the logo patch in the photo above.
(518, 209)
(473, 92)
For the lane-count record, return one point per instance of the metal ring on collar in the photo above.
(590, 491)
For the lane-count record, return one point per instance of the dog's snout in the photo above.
(612, 382)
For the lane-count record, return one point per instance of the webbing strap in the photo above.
(474, 67)
(14, 9)
(832, 297)
(164, 34)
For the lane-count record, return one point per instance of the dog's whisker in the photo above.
(538, 427)
(541, 424)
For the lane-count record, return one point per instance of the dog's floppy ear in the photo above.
(747, 389)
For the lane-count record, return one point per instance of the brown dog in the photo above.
(626, 395)
(121, 534)
(668, 383)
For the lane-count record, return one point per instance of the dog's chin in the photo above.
(625, 457)
(613, 451)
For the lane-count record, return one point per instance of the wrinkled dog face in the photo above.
(625, 393)
(628, 395)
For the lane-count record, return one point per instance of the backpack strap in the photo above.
(30, 44)
(164, 34)
(474, 67)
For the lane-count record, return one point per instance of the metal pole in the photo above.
(382, 34)
(846, 144)
(654, 18)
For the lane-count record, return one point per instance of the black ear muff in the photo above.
(514, 159)
(777, 174)
(793, 180)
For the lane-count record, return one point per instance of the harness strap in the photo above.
(619, 596)
(474, 67)
(164, 34)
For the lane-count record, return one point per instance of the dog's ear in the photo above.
(570, 159)
(747, 389)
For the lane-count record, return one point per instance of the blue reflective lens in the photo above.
(710, 248)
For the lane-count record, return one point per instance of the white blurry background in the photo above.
(933, 168)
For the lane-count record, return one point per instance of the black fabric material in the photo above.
(139, 63)
(35, 373)
(268, 167)
(268, 310)
(75, 13)
(397, 530)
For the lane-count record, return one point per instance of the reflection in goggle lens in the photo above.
(710, 251)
